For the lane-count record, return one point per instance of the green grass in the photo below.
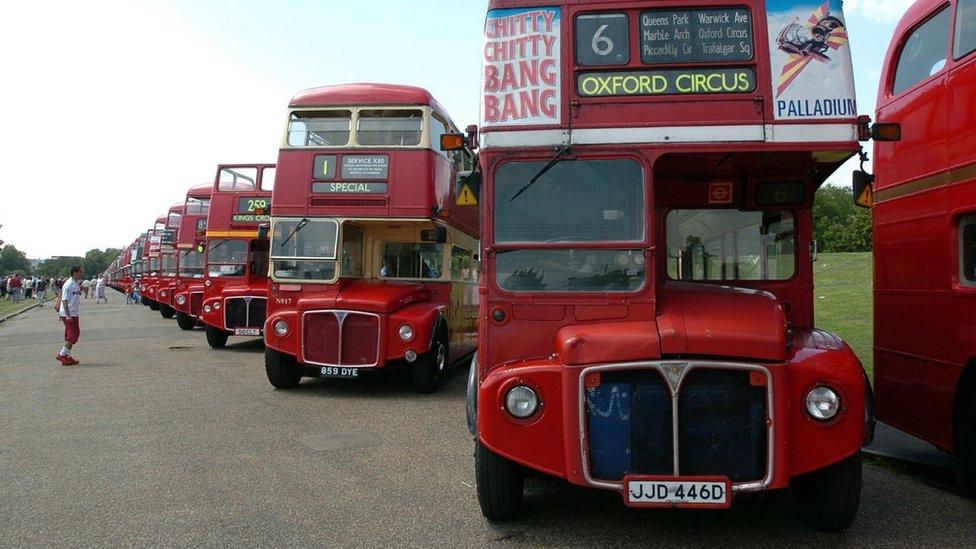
(7, 307)
(842, 300)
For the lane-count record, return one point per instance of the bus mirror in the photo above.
(452, 142)
(862, 185)
(886, 131)
(263, 231)
(437, 234)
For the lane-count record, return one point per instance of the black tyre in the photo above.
(283, 370)
(185, 321)
(216, 337)
(500, 485)
(144, 300)
(828, 499)
(966, 453)
(429, 368)
(154, 305)
(166, 311)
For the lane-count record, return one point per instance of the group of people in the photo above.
(17, 288)
(95, 287)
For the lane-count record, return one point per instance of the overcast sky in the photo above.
(110, 110)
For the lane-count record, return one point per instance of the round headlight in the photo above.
(405, 332)
(280, 327)
(521, 401)
(216, 305)
(180, 299)
(207, 309)
(207, 283)
(823, 403)
(163, 293)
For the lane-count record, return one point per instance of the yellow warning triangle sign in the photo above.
(466, 197)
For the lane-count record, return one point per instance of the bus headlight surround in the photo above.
(280, 328)
(207, 309)
(180, 299)
(822, 403)
(405, 332)
(521, 401)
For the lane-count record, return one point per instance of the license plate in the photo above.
(335, 371)
(671, 492)
(247, 331)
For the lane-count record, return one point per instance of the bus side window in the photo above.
(923, 52)
(964, 35)
(967, 250)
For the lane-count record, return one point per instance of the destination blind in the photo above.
(696, 36)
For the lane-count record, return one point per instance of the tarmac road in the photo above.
(155, 439)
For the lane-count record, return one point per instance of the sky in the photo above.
(110, 110)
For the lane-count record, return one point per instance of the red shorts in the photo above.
(72, 329)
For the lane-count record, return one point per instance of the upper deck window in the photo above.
(390, 127)
(574, 201)
(730, 245)
(173, 221)
(268, 178)
(237, 179)
(197, 206)
(964, 36)
(319, 128)
(923, 52)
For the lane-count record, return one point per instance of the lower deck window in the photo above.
(412, 260)
(572, 270)
(967, 250)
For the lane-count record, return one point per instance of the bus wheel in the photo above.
(144, 300)
(166, 311)
(282, 369)
(154, 305)
(500, 485)
(185, 321)
(966, 455)
(428, 370)
(828, 499)
(216, 337)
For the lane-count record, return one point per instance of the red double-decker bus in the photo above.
(149, 263)
(188, 288)
(647, 319)
(236, 287)
(169, 263)
(925, 229)
(372, 266)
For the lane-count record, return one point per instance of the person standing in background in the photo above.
(28, 287)
(41, 291)
(3, 287)
(100, 289)
(85, 287)
(69, 304)
(14, 286)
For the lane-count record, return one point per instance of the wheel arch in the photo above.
(965, 388)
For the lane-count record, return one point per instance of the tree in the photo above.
(57, 266)
(12, 259)
(839, 225)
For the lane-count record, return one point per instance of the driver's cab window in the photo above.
(411, 260)
(923, 53)
(352, 251)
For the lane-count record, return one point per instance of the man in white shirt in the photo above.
(68, 309)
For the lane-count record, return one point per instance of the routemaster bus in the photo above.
(372, 265)
(188, 288)
(924, 233)
(646, 320)
(236, 286)
(169, 263)
(149, 263)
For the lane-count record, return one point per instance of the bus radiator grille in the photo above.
(341, 338)
(196, 303)
(244, 312)
(721, 425)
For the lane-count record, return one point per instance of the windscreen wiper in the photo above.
(555, 160)
(300, 226)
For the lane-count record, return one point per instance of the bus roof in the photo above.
(365, 94)
(200, 191)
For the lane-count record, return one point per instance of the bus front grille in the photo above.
(244, 312)
(196, 303)
(720, 416)
(340, 338)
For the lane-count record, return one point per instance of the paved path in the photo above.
(155, 439)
